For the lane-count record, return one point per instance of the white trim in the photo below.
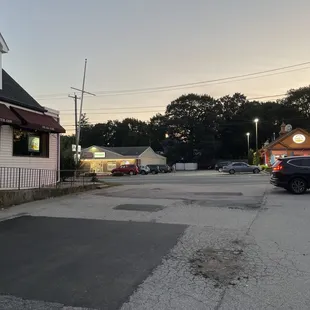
(161, 156)
(146, 150)
(153, 152)
(52, 111)
(21, 108)
(3, 46)
(102, 148)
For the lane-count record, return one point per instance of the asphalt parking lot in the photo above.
(189, 177)
(81, 263)
(155, 244)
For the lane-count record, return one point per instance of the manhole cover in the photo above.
(134, 207)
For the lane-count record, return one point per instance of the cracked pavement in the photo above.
(270, 226)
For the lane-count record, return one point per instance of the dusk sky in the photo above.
(150, 43)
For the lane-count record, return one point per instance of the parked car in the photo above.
(144, 170)
(219, 166)
(241, 167)
(292, 173)
(126, 169)
(154, 169)
(165, 168)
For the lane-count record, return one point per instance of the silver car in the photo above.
(241, 167)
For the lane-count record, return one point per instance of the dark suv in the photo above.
(164, 168)
(154, 169)
(292, 173)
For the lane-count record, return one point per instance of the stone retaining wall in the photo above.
(15, 197)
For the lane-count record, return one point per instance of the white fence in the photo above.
(186, 166)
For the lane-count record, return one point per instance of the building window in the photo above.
(111, 165)
(30, 143)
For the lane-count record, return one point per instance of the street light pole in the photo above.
(248, 140)
(256, 131)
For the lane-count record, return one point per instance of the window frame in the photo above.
(44, 153)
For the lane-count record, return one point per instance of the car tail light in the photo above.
(277, 168)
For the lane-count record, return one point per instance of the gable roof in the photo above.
(128, 150)
(3, 46)
(283, 137)
(13, 93)
(121, 151)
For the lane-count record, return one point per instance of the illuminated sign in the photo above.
(34, 144)
(99, 155)
(74, 148)
(299, 138)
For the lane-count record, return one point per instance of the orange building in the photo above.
(292, 143)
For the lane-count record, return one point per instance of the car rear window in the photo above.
(296, 162)
(277, 163)
(306, 162)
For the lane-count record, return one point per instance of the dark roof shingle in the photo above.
(13, 93)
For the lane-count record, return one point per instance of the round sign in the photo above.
(299, 138)
(288, 128)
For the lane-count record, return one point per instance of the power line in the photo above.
(189, 85)
(208, 81)
(233, 123)
(150, 107)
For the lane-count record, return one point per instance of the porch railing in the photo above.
(25, 178)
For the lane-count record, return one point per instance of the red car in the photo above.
(126, 169)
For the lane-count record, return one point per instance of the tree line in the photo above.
(201, 128)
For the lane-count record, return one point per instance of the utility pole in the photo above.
(78, 126)
(75, 97)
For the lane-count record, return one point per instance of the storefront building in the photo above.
(29, 139)
(105, 159)
(292, 143)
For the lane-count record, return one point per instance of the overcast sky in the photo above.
(149, 43)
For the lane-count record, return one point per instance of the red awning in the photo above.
(7, 116)
(38, 121)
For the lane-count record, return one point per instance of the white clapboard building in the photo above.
(29, 136)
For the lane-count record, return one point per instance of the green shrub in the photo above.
(256, 159)
(264, 167)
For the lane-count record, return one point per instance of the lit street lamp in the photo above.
(248, 140)
(256, 131)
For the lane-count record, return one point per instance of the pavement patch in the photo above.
(219, 193)
(78, 262)
(137, 207)
(224, 203)
(172, 285)
(220, 265)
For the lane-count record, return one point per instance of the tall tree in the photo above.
(203, 129)
(300, 100)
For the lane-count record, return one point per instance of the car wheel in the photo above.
(232, 171)
(298, 186)
(131, 173)
(256, 171)
(143, 172)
